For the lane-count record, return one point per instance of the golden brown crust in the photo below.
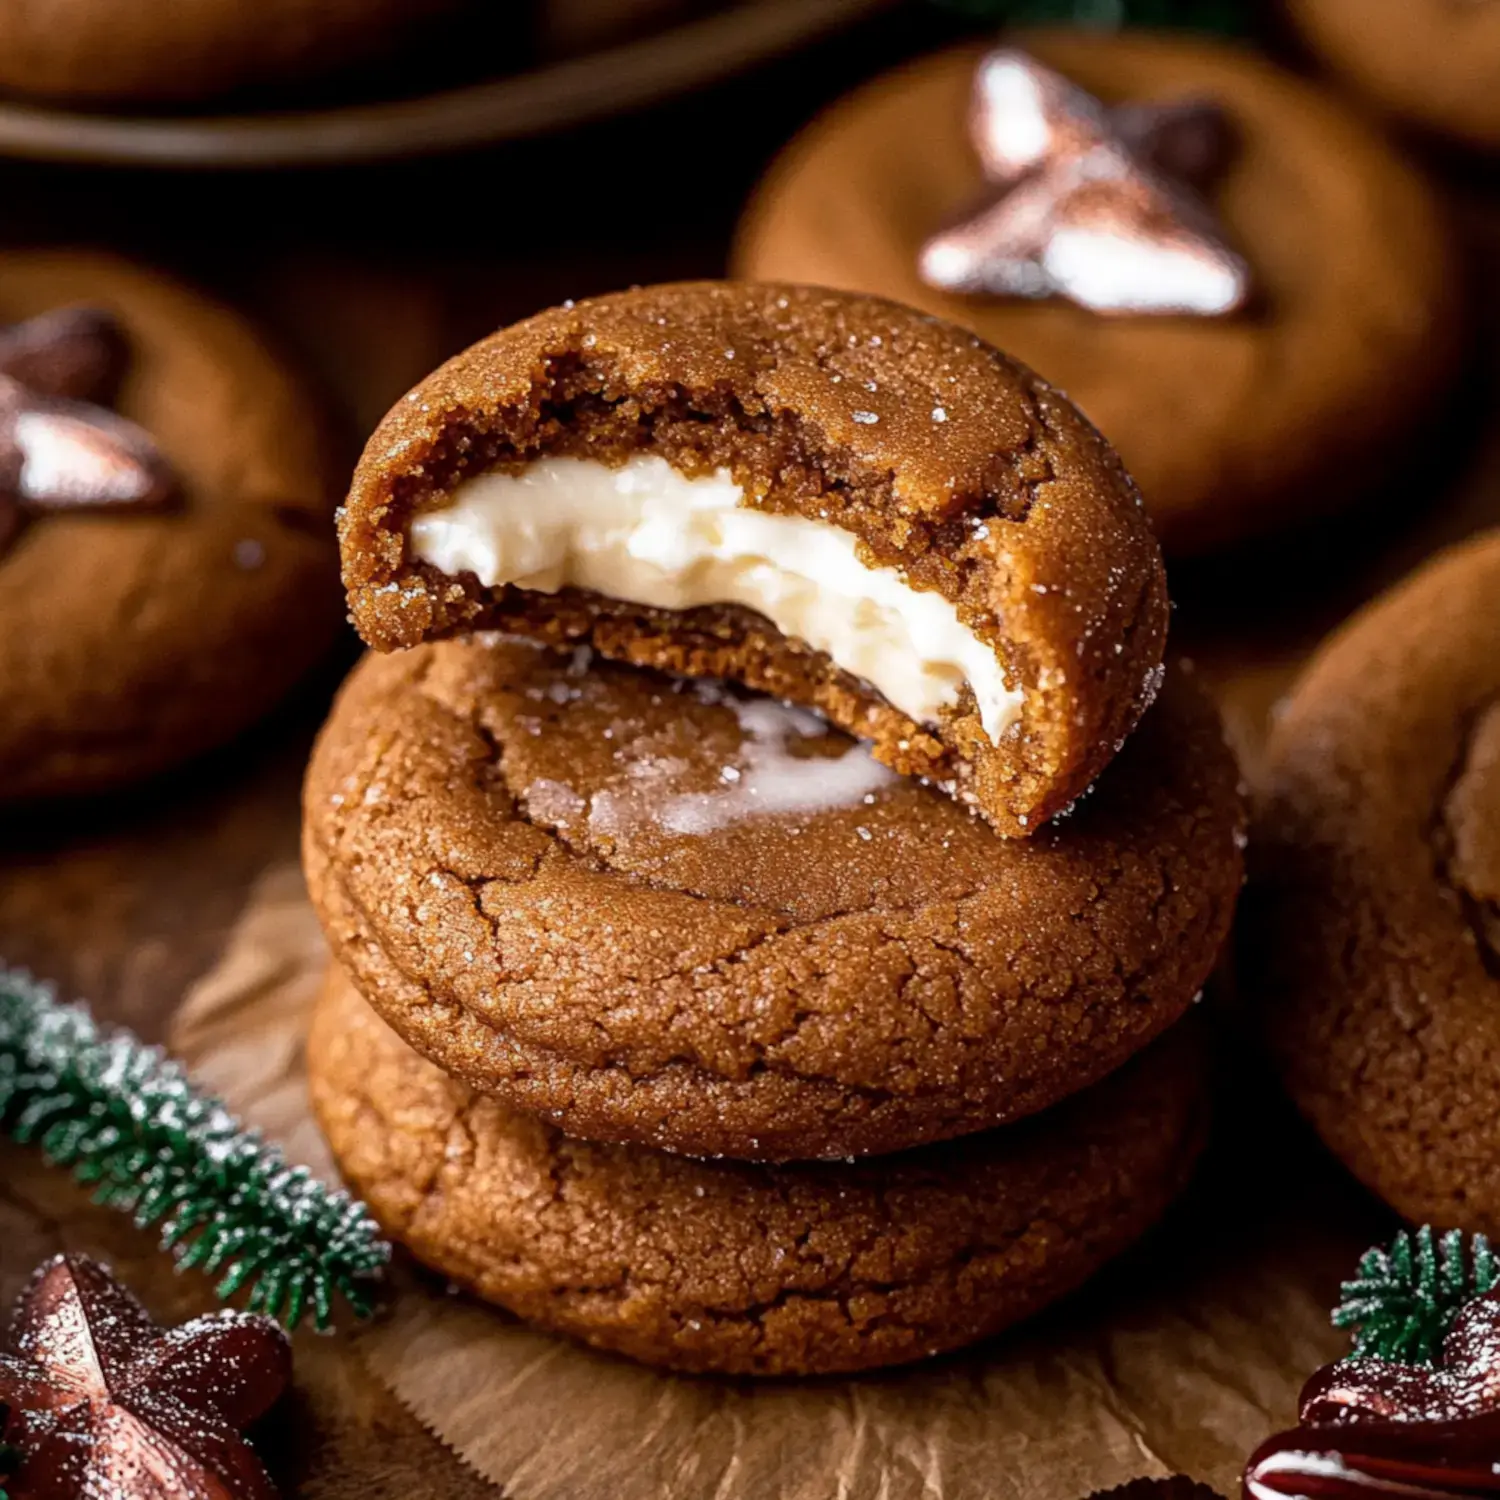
(132, 642)
(1373, 945)
(793, 985)
(742, 1269)
(1231, 427)
(821, 404)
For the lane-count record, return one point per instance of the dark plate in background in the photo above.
(544, 97)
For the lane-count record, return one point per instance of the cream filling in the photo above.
(649, 535)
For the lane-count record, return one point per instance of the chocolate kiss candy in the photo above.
(104, 1403)
(1094, 204)
(10, 518)
(59, 448)
(1189, 140)
(76, 353)
(60, 455)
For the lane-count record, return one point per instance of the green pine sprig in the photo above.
(1406, 1297)
(1199, 15)
(127, 1121)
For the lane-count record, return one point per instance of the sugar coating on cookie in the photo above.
(670, 912)
(741, 1269)
(827, 497)
(1372, 941)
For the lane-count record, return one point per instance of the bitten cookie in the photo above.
(188, 50)
(1231, 425)
(749, 1270)
(665, 913)
(1433, 62)
(167, 567)
(1373, 945)
(825, 497)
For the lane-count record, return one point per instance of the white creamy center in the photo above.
(647, 534)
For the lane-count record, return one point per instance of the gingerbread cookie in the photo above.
(824, 497)
(663, 912)
(1373, 948)
(167, 568)
(1235, 277)
(1432, 62)
(751, 1270)
(189, 50)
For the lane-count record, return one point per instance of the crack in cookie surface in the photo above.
(754, 1269)
(845, 980)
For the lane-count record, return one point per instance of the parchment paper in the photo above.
(1179, 1359)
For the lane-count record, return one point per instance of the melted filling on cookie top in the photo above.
(767, 779)
(649, 535)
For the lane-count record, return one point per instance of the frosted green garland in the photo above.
(1407, 1295)
(127, 1121)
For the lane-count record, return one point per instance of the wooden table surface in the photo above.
(371, 277)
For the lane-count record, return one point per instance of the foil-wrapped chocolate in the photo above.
(1101, 205)
(61, 448)
(98, 1403)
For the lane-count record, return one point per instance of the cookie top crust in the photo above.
(753, 1270)
(1232, 426)
(1373, 940)
(130, 642)
(668, 913)
(951, 474)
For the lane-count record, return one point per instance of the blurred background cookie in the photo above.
(1372, 945)
(1433, 63)
(1232, 419)
(167, 567)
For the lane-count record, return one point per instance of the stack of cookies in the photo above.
(731, 969)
